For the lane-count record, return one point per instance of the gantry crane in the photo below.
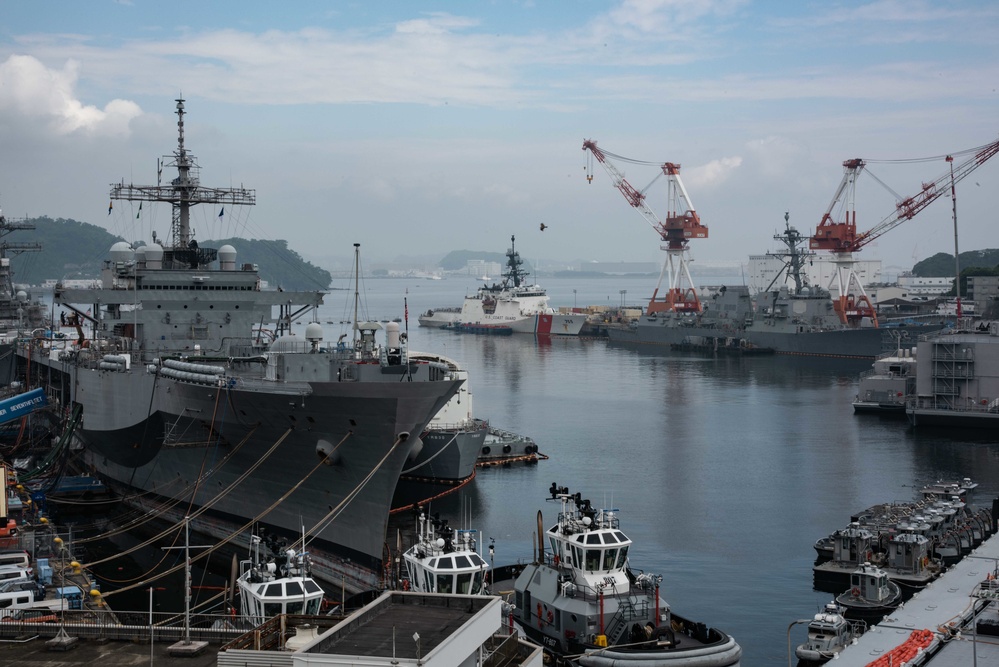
(842, 239)
(680, 225)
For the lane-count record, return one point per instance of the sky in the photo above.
(417, 128)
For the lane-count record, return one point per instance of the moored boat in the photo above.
(888, 385)
(444, 559)
(276, 583)
(829, 632)
(871, 594)
(511, 306)
(798, 319)
(581, 598)
(186, 400)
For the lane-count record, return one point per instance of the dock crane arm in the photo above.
(842, 237)
(682, 222)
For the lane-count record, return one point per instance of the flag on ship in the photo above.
(140, 211)
(221, 211)
(110, 204)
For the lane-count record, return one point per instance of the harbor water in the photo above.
(725, 470)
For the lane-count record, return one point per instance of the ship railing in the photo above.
(105, 624)
(464, 425)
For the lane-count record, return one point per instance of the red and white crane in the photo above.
(842, 240)
(681, 224)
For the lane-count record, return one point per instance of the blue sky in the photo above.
(419, 128)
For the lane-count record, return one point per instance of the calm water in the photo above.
(725, 471)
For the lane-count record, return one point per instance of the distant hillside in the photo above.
(941, 264)
(72, 249)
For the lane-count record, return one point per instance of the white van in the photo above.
(15, 573)
(20, 558)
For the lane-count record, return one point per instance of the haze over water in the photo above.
(725, 471)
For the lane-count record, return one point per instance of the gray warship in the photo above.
(198, 400)
(791, 318)
(19, 312)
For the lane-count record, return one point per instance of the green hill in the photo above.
(72, 249)
(942, 264)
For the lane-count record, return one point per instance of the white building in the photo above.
(819, 271)
(917, 286)
(480, 267)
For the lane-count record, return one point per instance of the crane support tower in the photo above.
(681, 224)
(842, 240)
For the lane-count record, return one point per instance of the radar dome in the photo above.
(227, 258)
(121, 252)
(154, 256)
(22, 296)
(313, 331)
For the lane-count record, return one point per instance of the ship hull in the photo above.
(176, 440)
(859, 343)
(448, 454)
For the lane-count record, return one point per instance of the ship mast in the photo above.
(794, 258)
(182, 193)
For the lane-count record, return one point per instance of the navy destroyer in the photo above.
(198, 399)
(793, 317)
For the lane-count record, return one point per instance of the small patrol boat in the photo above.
(828, 634)
(585, 605)
(872, 594)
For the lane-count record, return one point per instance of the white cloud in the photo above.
(713, 173)
(30, 89)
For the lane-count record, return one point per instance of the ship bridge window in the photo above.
(433, 563)
(294, 607)
(293, 588)
(620, 536)
(464, 584)
(312, 587)
(444, 583)
(622, 556)
(592, 559)
(593, 538)
(273, 591)
(446, 564)
(610, 538)
(610, 556)
(477, 580)
(272, 608)
(462, 562)
(477, 560)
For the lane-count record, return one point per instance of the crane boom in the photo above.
(680, 225)
(930, 192)
(842, 237)
(682, 222)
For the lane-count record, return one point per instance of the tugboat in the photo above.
(276, 583)
(872, 594)
(582, 599)
(828, 634)
(444, 559)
